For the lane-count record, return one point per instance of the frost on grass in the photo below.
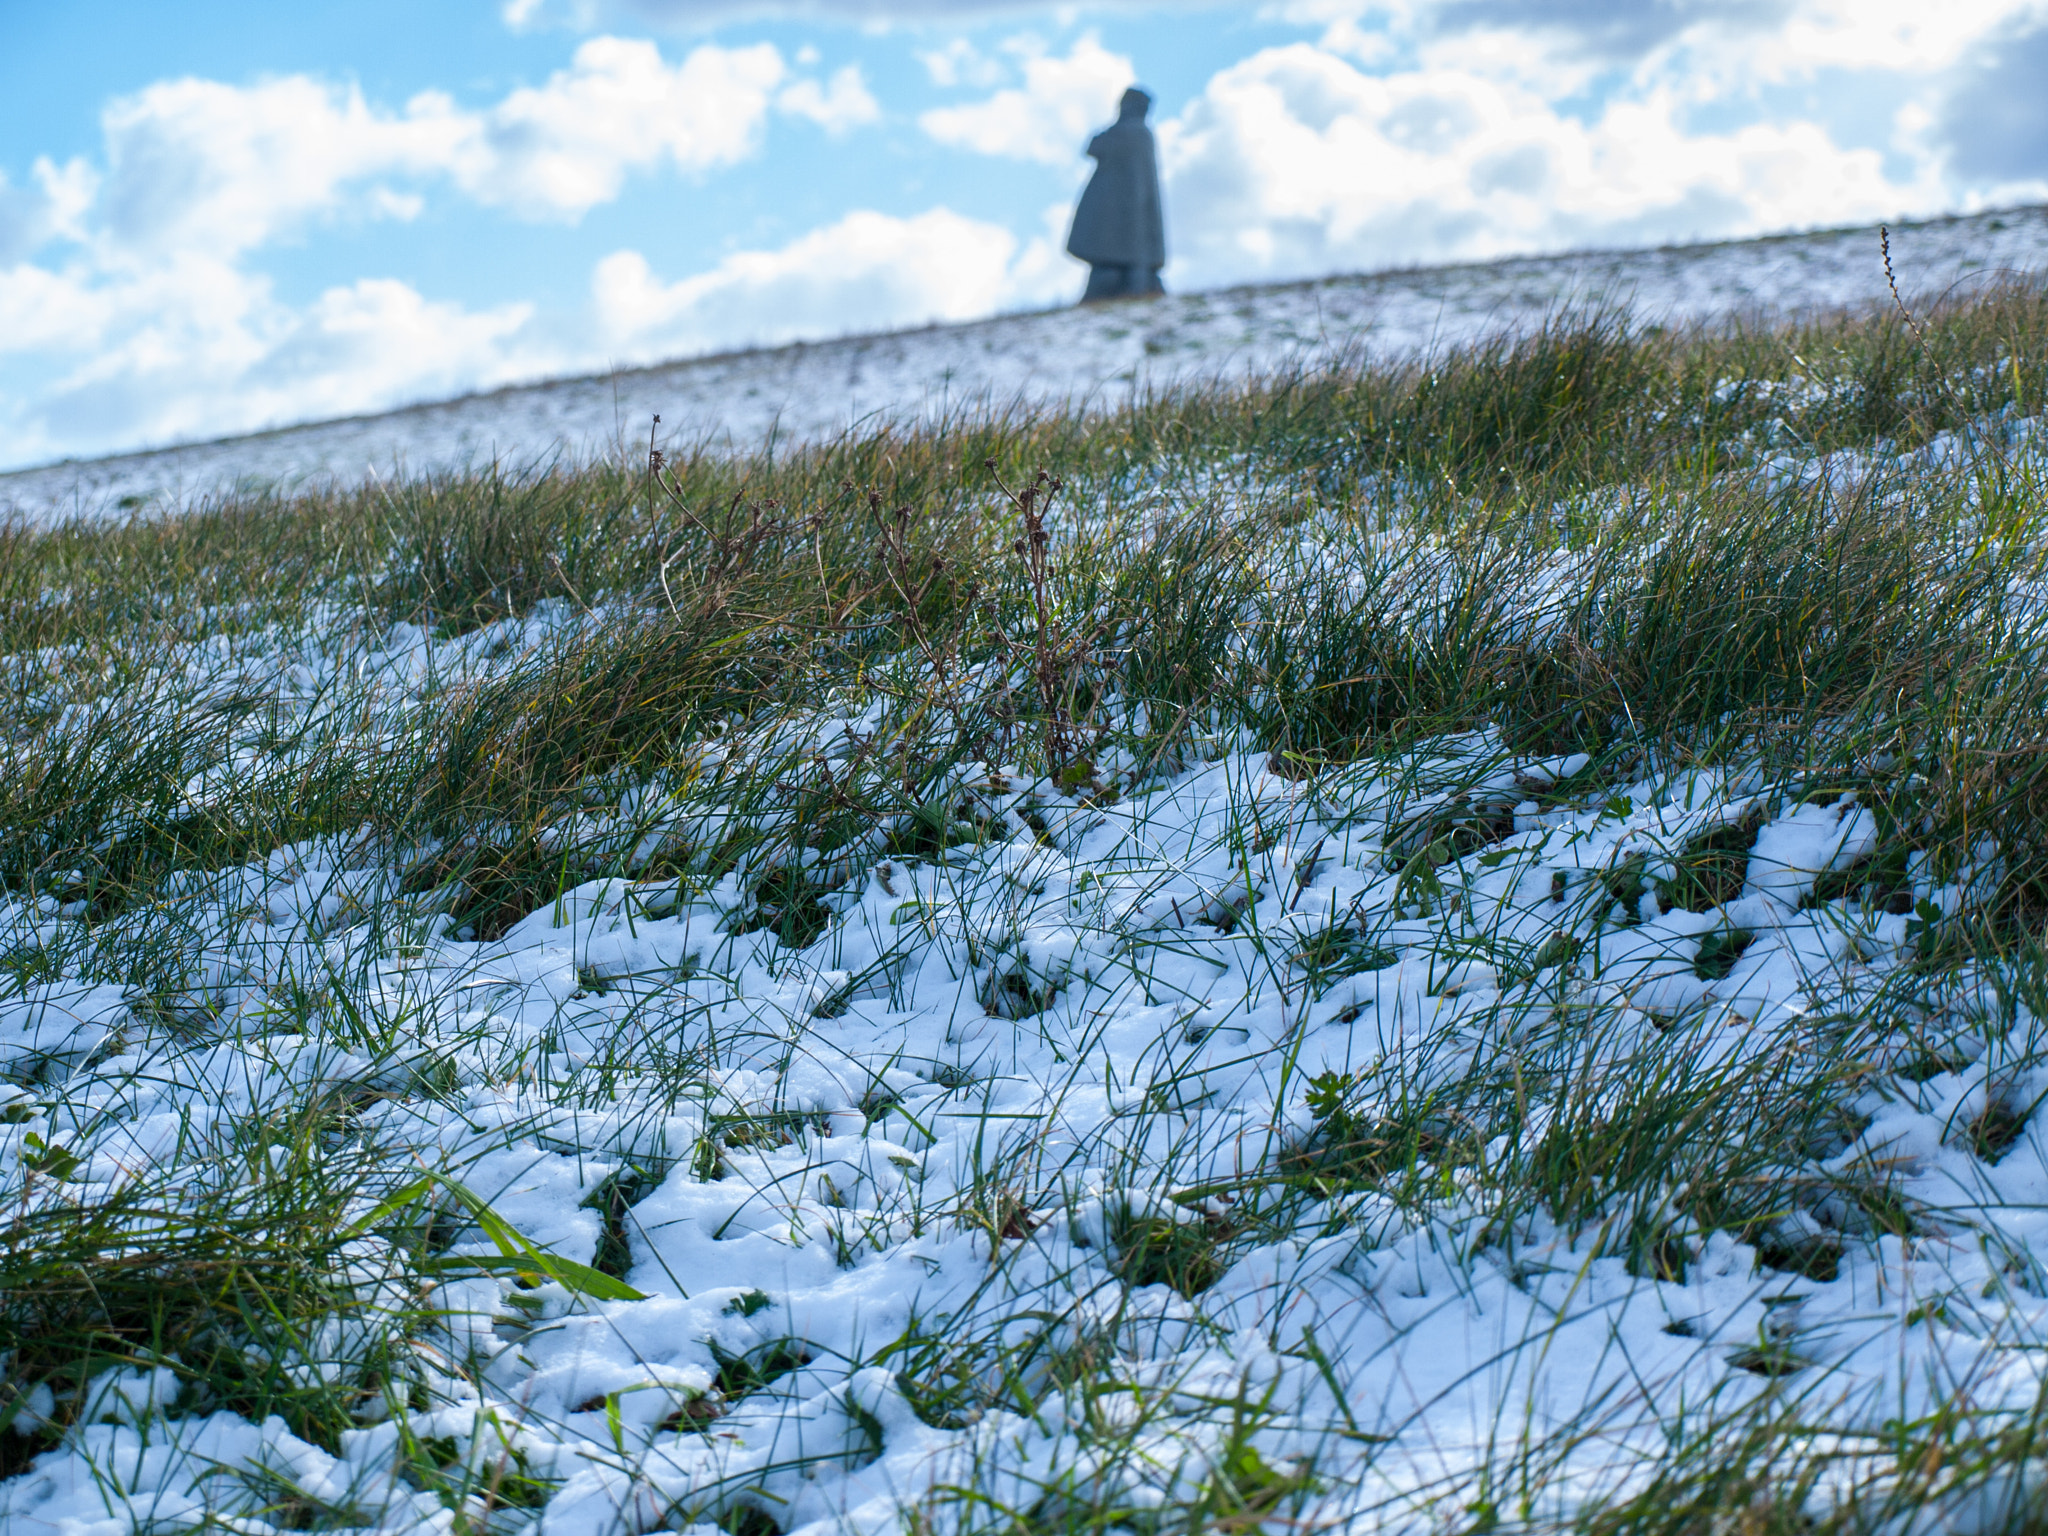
(1400, 1082)
(815, 392)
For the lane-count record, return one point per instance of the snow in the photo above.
(1102, 1021)
(1099, 355)
(917, 1166)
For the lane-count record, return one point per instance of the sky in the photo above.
(218, 216)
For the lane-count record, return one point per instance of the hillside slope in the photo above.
(805, 392)
(1395, 951)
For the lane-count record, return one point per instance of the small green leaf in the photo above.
(516, 1252)
(1327, 1092)
(540, 1266)
(389, 1206)
(51, 1161)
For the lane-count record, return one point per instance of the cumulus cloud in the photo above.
(959, 62)
(133, 305)
(23, 222)
(199, 163)
(867, 271)
(1701, 47)
(195, 346)
(525, 15)
(1907, 36)
(1994, 118)
(41, 309)
(841, 104)
(1612, 29)
(142, 307)
(53, 208)
(1295, 162)
(1049, 117)
(559, 149)
(699, 12)
(378, 340)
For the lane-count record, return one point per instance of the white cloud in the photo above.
(52, 209)
(1909, 36)
(41, 310)
(195, 164)
(204, 165)
(959, 62)
(560, 149)
(1366, 30)
(1610, 31)
(197, 347)
(1704, 48)
(24, 221)
(867, 271)
(1294, 162)
(147, 320)
(841, 104)
(1049, 117)
(701, 15)
(133, 305)
(377, 341)
(1993, 121)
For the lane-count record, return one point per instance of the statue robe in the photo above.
(1118, 223)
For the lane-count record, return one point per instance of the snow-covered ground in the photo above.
(1191, 1140)
(964, 1171)
(806, 392)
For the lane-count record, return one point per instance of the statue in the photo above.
(1117, 226)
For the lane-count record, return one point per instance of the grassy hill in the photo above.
(1094, 356)
(1449, 947)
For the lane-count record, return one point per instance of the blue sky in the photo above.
(217, 217)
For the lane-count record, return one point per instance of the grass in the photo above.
(848, 718)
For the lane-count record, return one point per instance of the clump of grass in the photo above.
(1403, 1149)
(1158, 1250)
(741, 1374)
(241, 1295)
(1569, 544)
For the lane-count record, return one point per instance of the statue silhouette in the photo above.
(1117, 226)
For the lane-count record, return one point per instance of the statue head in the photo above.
(1134, 106)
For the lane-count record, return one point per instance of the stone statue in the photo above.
(1117, 227)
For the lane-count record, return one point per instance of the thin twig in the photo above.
(1884, 246)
